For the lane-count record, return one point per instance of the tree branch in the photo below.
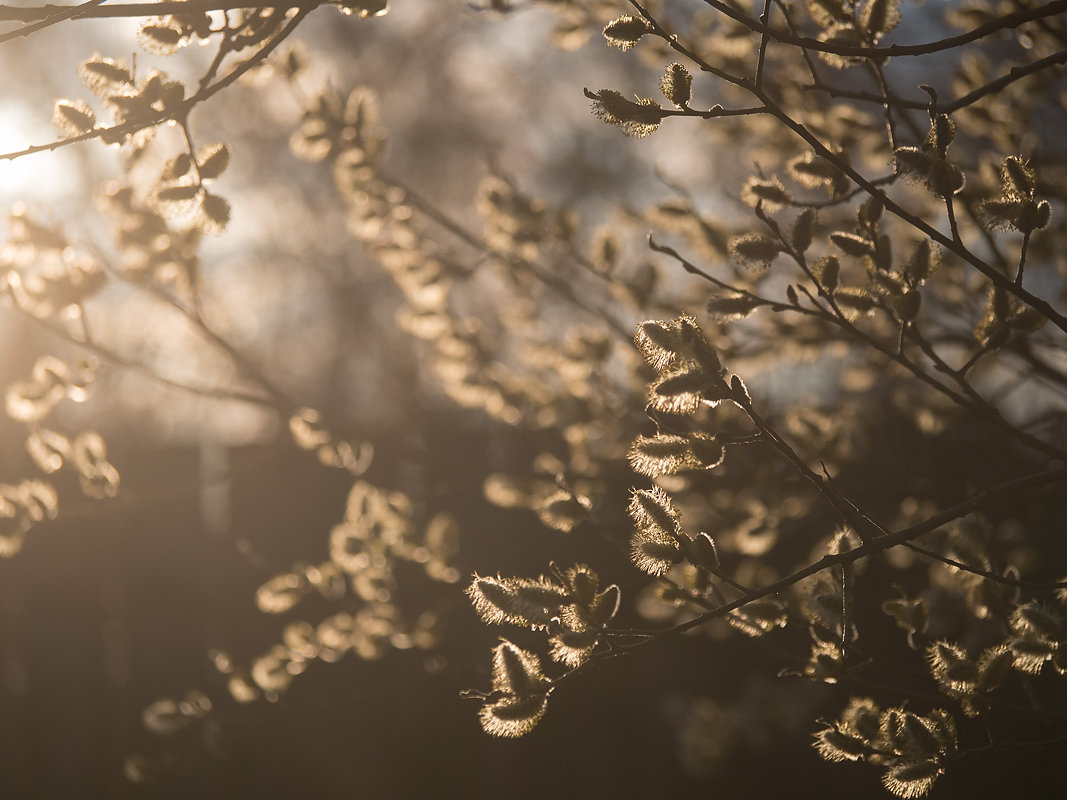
(60, 14)
(882, 543)
(1006, 22)
(774, 109)
(95, 10)
(181, 111)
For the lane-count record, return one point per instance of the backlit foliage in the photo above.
(817, 401)
(858, 262)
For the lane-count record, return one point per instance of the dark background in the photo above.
(117, 603)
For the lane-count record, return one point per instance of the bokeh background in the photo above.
(120, 602)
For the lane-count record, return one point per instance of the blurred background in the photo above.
(152, 593)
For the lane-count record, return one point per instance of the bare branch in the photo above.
(1006, 22)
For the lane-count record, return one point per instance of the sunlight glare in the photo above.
(37, 176)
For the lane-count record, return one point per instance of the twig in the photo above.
(94, 10)
(989, 575)
(881, 543)
(181, 111)
(60, 14)
(765, 18)
(887, 107)
(558, 285)
(1022, 259)
(1006, 22)
(954, 246)
(972, 97)
(211, 392)
(951, 244)
(1014, 74)
(842, 504)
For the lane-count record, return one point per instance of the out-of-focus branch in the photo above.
(561, 287)
(59, 14)
(181, 110)
(117, 359)
(96, 10)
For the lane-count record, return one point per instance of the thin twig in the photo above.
(963, 101)
(969, 399)
(1022, 259)
(882, 543)
(558, 285)
(180, 111)
(60, 14)
(951, 244)
(1004, 580)
(119, 360)
(1014, 74)
(765, 18)
(1006, 22)
(91, 10)
(842, 504)
(887, 106)
(950, 211)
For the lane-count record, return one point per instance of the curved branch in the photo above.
(994, 86)
(883, 543)
(1014, 74)
(181, 111)
(89, 10)
(1003, 580)
(969, 400)
(560, 286)
(124, 362)
(953, 246)
(994, 26)
(949, 243)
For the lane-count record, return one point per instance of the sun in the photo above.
(34, 178)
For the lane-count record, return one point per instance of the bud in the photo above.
(852, 244)
(907, 304)
(161, 35)
(803, 230)
(826, 270)
(1018, 177)
(636, 119)
(73, 117)
(516, 671)
(925, 260)
(213, 160)
(854, 302)
(727, 308)
(769, 194)
(625, 32)
(945, 179)
(659, 455)
(833, 745)
(706, 449)
(676, 85)
(912, 163)
(652, 509)
(754, 250)
(879, 17)
(658, 343)
(942, 132)
(701, 552)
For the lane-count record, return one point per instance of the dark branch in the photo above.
(96, 10)
(994, 26)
